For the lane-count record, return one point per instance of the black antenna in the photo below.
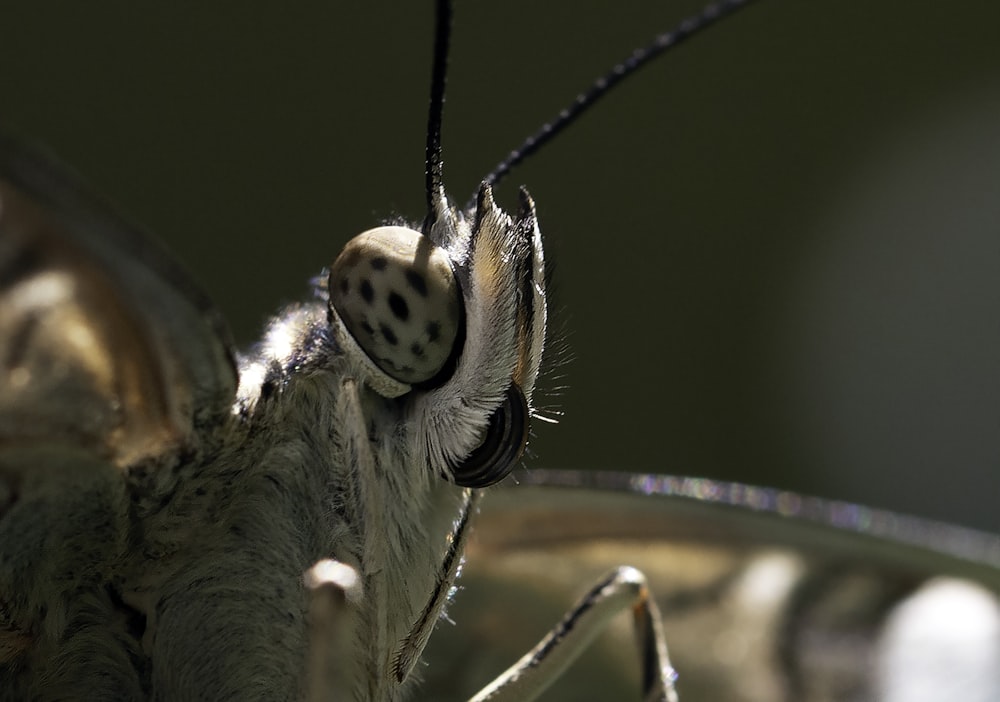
(708, 16)
(432, 155)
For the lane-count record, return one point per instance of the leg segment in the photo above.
(623, 588)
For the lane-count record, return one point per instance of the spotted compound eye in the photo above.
(395, 292)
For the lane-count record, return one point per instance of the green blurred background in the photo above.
(777, 251)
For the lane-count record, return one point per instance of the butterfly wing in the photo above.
(105, 343)
(765, 595)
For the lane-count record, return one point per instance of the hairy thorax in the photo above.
(283, 488)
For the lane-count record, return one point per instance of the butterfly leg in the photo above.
(621, 589)
(333, 588)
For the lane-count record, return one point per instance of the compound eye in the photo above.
(506, 437)
(395, 292)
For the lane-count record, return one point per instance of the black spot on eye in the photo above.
(345, 286)
(389, 335)
(433, 331)
(368, 328)
(398, 306)
(367, 292)
(417, 350)
(379, 263)
(417, 282)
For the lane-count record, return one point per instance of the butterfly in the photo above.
(640, 418)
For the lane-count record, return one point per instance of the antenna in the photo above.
(432, 154)
(692, 25)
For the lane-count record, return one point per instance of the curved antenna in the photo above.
(708, 16)
(432, 155)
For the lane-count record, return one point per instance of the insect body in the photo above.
(738, 164)
(175, 508)
(178, 523)
(189, 515)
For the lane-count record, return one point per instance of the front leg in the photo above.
(624, 588)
